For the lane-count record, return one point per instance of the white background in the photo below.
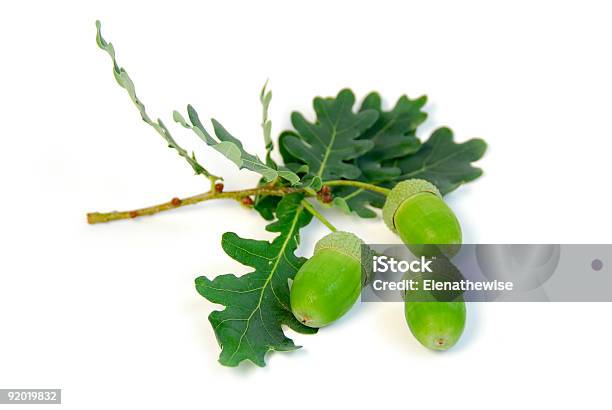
(109, 313)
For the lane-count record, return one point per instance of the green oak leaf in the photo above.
(266, 206)
(231, 147)
(329, 145)
(341, 204)
(288, 158)
(257, 303)
(393, 135)
(124, 80)
(442, 161)
(360, 201)
(265, 97)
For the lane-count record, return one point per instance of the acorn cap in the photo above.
(351, 245)
(343, 242)
(402, 192)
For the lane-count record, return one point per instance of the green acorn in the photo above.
(329, 283)
(436, 325)
(436, 318)
(416, 211)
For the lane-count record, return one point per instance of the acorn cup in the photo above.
(329, 283)
(415, 210)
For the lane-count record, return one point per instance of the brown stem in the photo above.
(266, 190)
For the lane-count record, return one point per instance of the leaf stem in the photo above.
(97, 217)
(318, 215)
(358, 184)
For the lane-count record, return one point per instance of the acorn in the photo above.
(436, 325)
(436, 318)
(329, 283)
(415, 210)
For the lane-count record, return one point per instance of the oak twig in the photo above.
(97, 217)
(269, 189)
